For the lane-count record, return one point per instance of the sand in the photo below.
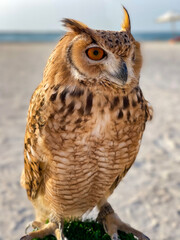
(149, 196)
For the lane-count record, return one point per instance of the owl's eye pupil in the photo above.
(96, 52)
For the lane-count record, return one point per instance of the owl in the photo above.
(84, 127)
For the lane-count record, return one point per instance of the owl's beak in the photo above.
(122, 73)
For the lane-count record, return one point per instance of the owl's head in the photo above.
(105, 57)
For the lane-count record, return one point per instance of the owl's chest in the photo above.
(100, 130)
(83, 122)
(91, 142)
(86, 160)
(77, 111)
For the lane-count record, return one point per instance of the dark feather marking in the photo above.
(142, 105)
(128, 115)
(115, 102)
(77, 92)
(37, 113)
(139, 94)
(89, 102)
(42, 102)
(61, 110)
(126, 170)
(102, 111)
(125, 102)
(139, 98)
(76, 127)
(116, 182)
(82, 82)
(63, 95)
(41, 125)
(71, 107)
(63, 128)
(78, 120)
(120, 114)
(146, 113)
(53, 97)
(51, 116)
(134, 104)
(33, 127)
(107, 99)
(81, 111)
(56, 87)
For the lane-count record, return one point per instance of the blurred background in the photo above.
(40, 20)
(149, 196)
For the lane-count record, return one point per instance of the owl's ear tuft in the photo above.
(74, 25)
(126, 25)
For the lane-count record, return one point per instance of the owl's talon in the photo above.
(112, 224)
(43, 231)
(35, 225)
(26, 237)
(27, 227)
(115, 237)
(145, 237)
(137, 234)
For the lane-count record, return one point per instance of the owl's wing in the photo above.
(33, 163)
(147, 116)
(148, 111)
(32, 174)
(118, 179)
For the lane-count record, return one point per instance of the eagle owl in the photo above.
(84, 127)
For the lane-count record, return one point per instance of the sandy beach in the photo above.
(149, 196)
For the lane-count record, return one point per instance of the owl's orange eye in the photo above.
(95, 53)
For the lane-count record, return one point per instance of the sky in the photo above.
(45, 15)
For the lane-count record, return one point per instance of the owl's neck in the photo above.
(102, 86)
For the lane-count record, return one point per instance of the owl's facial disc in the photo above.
(101, 56)
(89, 60)
(116, 69)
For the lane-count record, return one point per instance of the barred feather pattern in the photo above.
(80, 143)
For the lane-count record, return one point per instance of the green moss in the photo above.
(87, 230)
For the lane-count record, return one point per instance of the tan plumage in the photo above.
(84, 126)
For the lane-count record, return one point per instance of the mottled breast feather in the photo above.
(80, 142)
